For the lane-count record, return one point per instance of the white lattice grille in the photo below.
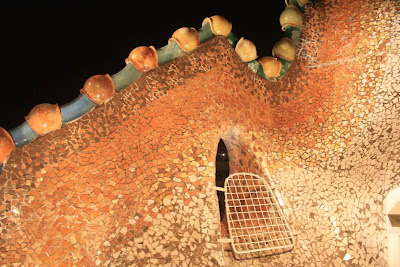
(255, 220)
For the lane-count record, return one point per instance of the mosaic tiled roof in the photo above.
(124, 175)
(98, 89)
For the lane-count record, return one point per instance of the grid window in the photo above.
(255, 220)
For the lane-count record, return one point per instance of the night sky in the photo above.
(48, 52)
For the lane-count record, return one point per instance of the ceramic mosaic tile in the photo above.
(131, 181)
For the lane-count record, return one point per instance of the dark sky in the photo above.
(49, 51)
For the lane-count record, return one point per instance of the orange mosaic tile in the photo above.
(131, 183)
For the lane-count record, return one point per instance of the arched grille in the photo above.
(255, 220)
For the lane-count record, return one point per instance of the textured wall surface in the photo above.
(131, 183)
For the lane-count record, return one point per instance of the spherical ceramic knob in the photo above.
(44, 118)
(291, 16)
(186, 38)
(143, 58)
(219, 25)
(300, 2)
(6, 145)
(271, 66)
(246, 50)
(284, 48)
(99, 88)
